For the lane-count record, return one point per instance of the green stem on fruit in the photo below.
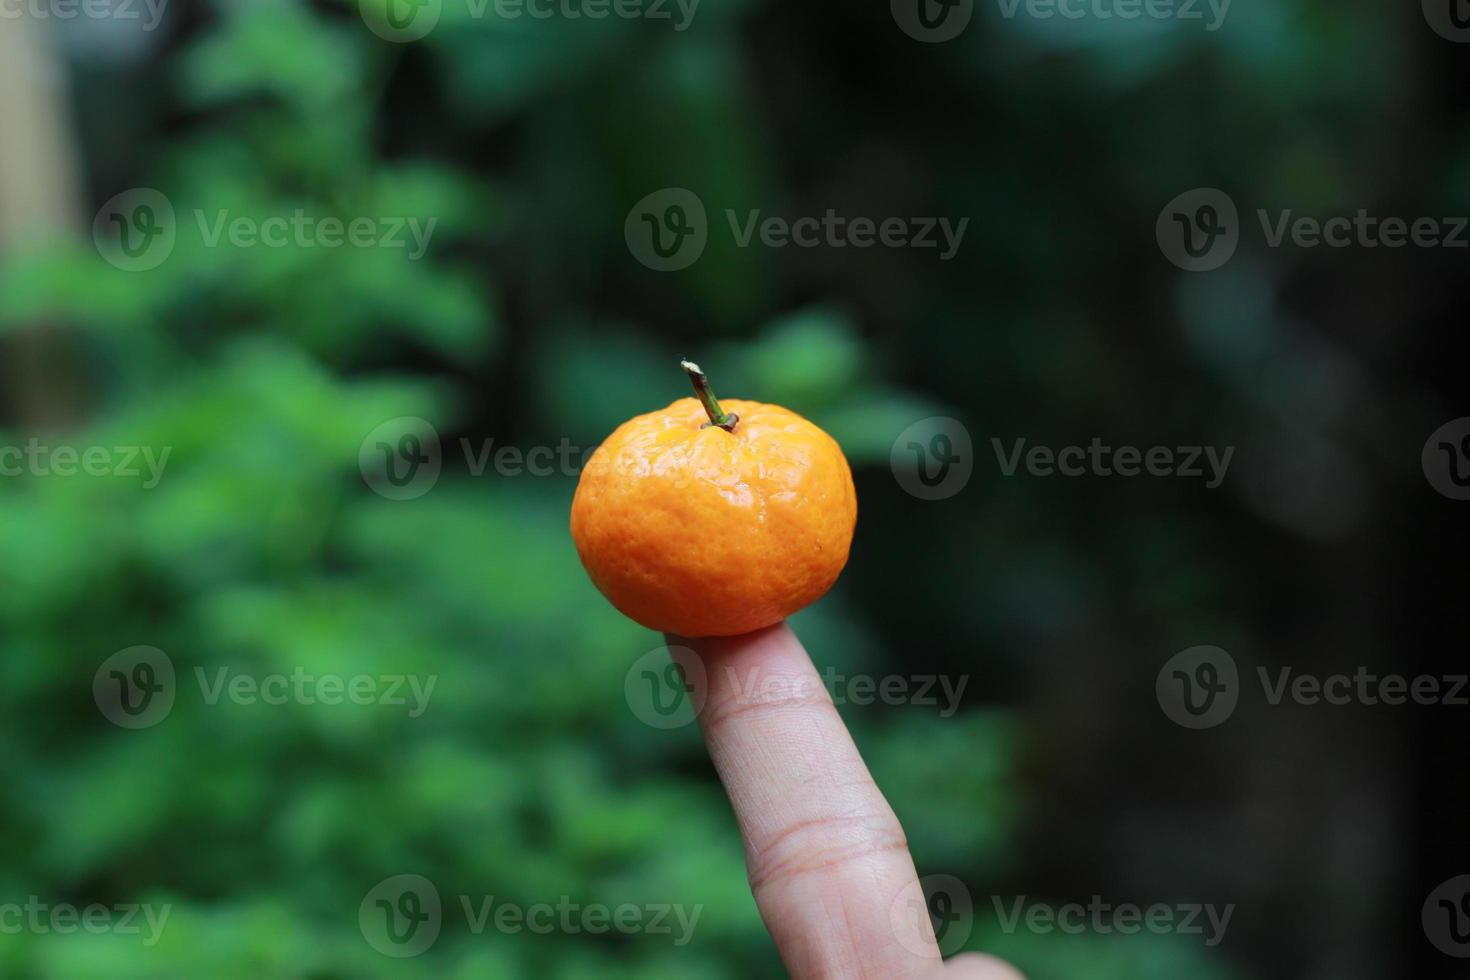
(717, 415)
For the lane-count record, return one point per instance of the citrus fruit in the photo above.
(703, 520)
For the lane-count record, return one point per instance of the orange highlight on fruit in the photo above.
(711, 520)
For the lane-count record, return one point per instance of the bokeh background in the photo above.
(263, 549)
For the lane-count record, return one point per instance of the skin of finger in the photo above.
(975, 966)
(828, 861)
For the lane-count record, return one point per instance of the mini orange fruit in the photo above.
(703, 520)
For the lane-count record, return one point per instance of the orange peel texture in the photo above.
(693, 530)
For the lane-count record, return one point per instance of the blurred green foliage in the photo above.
(262, 550)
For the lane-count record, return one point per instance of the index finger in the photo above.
(828, 861)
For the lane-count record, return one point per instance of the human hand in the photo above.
(826, 856)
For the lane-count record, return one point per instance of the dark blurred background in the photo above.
(272, 542)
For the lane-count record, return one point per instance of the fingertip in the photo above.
(774, 637)
(719, 670)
